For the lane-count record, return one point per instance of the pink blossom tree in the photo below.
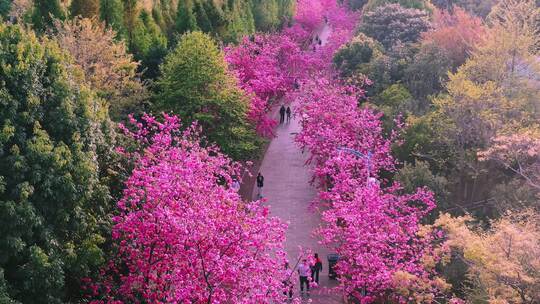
(267, 67)
(182, 234)
(385, 252)
(375, 229)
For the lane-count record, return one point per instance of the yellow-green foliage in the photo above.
(504, 259)
(197, 85)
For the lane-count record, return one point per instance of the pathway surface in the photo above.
(289, 194)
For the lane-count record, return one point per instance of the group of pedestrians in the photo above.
(306, 272)
(282, 112)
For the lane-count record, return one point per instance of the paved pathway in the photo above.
(289, 195)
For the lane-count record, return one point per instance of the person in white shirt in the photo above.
(304, 273)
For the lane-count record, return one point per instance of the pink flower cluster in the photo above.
(269, 66)
(183, 235)
(367, 221)
(372, 226)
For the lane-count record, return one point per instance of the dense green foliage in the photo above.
(45, 11)
(480, 8)
(197, 85)
(233, 19)
(419, 175)
(112, 13)
(459, 84)
(148, 43)
(266, 14)
(427, 73)
(356, 54)
(151, 27)
(54, 141)
(392, 23)
(5, 6)
(416, 4)
(355, 4)
(85, 8)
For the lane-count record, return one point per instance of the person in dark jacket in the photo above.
(282, 114)
(316, 268)
(289, 114)
(287, 284)
(260, 184)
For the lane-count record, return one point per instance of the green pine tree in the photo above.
(112, 13)
(5, 7)
(266, 14)
(84, 8)
(241, 22)
(131, 18)
(186, 20)
(45, 11)
(148, 44)
(286, 11)
(203, 21)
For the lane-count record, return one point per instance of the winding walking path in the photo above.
(288, 192)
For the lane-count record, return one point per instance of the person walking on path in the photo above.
(303, 272)
(289, 114)
(235, 185)
(282, 114)
(315, 269)
(260, 184)
(287, 284)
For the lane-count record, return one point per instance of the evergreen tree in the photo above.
(112, 13)
(186, 20)
(197, 85)
(45, 11)
(355, 4)
(215, 14)
(84, 8)
(148, 44)
(131, 16)
(5, 6)
(240, 20)
(286, 10)
(52, 197)
(164, 14)
(374, 4)
(203, 21)
(266, 15)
